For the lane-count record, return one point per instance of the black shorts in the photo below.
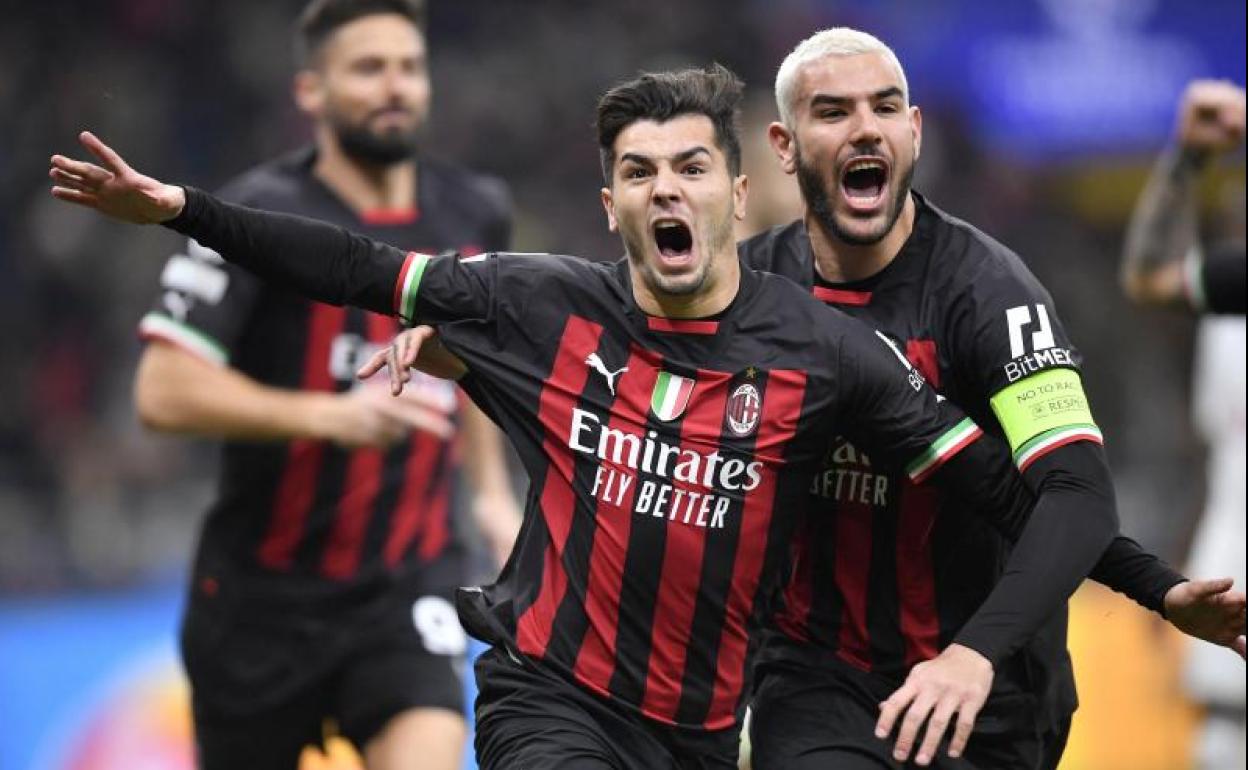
(264, 680)
(529, 718)
(802, 720)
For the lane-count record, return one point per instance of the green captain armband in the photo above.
(1042, 412)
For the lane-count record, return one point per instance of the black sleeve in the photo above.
(886, 407)
(331, 264)
(1126, 567)
(1222, 280)
(1073, 521)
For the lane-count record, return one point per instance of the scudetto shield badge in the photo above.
(744, 407)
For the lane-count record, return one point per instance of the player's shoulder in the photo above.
(778, 249)
(461, 188)
(532, 269)
(273, 183)
(781, 303)
(974, 265)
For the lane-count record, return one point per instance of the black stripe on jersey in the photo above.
(718, 570)
(883, 612)
(571, 620)
(643, 563)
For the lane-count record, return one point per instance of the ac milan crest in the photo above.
(744, 406)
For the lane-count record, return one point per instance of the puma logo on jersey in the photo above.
(595, 363)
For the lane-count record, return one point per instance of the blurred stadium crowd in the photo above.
(196, 90)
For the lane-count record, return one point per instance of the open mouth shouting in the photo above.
(864, 184)
(674, 241)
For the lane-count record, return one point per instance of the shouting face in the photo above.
(853, 145)
(673, 200)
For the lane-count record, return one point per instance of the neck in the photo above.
(364, 187)
(839, 262)
(716, 294)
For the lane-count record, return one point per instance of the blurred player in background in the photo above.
(323, 580)
(1165, 263)
(892, 583)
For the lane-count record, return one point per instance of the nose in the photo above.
(666, 188)
(866, 127)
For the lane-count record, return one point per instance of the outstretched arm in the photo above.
(321, 261)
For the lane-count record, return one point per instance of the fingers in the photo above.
(935, 730)
(916, 715)
(414, 339)
(76, 196)
(373, 365)
(1239, 646)
(962, 732)
(893, 708)
(106, 155)
(88, 172)
(1201, 589)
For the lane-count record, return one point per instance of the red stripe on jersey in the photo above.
(794, 619)
(916, 580)
(409, 510)
(557, 503)
(782, 407)
(341, 557)
(853, 570)
(595, 661)
(679, 326)
(922, 353)
(397, 302)
(841, 296)
(296, 489)
(683, 553)
(436, 531)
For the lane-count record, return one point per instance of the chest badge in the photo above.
(670, 396)
(744, 407)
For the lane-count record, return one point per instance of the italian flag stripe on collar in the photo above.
(947, 445)
(408, 285)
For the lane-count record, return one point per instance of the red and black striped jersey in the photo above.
(670, 460)
(887, 577)
(309, 516)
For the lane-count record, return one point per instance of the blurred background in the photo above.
(1041, 120)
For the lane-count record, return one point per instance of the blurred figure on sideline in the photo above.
(1166, 263)
(323, 581)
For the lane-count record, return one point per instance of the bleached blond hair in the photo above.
(838, 41)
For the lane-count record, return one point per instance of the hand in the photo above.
(419, 348)
(956, 682)
(367, 416)
(1211, 117)
(1209, 610)
(116, 190)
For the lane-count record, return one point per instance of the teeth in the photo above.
(666, 225)
(861, 165)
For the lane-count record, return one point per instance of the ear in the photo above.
(784, 144)
(309, 90)
(608, 205)
(916, 127)
(740, 193)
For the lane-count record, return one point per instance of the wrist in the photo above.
(1169, 599)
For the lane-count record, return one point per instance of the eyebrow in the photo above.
(679, 157)
(883, 93)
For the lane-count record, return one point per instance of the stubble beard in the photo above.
(372, 148)
(815, 193)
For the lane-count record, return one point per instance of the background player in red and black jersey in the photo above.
(670, 409)
(900, 583)
(323, 581)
